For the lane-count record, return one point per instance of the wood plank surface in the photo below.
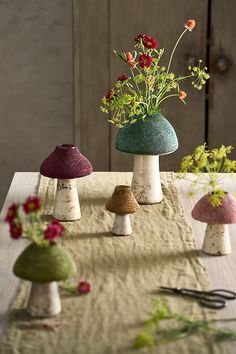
(222, 122)
(36, 104)
(91, 80)
(220, 269)
(164, 20)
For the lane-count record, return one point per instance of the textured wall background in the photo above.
(36, 83)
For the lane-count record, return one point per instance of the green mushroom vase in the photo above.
(147, 139)
(44, 266)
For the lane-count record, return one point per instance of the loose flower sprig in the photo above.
(82, 288)
(149, 84)
(180, 327)
(206, 165)
(25, 221)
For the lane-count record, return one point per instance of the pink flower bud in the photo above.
(122, 78)
(16, 230)
(12, 213)
(83, 287)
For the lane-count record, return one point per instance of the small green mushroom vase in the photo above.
(147, 139)
(44, 266)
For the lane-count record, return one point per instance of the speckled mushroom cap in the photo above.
(66, 162)
(154, 136)
(44, 264)
(122, 201)
(223, 214)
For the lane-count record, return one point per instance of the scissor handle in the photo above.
(209, 299)
(216, 303)
(215, 293)
(224, 294)
(215, 299)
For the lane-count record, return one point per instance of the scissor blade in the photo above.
(175, 290)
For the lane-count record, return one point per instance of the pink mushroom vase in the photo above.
(217, 237)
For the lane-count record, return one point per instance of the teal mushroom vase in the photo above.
(147, 140)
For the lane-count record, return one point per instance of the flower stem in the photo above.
(173, 51)
(161, 93)
(136, 83)
(163, 99)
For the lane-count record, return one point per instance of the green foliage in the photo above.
(180, 327)
(147, 87)
(144, 339)
(206, 165)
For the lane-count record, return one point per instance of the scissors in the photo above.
(215, 299)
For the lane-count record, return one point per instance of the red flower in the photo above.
(145, 60)
(31, 204)
(110, 95)
(83, 287)
(149, 42)
(11, 213)
(53, 231)
(61, 229)
(139, 36)
(190, 24)
(16, 230)
(122, 78)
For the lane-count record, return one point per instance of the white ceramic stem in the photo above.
(67, 207)
(217, 240)
(146, 184)
(44, 300)
(122, 225)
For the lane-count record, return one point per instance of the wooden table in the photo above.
(221, 270)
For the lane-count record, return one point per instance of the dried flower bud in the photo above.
(131, 63)
(182, 95)
(190, 24)
(130, 59)
(129, 56)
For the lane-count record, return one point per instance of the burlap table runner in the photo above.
(124, 273)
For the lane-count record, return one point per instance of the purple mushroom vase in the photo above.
(66, 164)
(217, 237)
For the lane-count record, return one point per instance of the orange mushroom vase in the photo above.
(217, 237)
(122, 203)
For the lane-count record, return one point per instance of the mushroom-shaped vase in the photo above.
(147, 139)
(66, 164)
(217, 238)
(122, 203)
(44, 266)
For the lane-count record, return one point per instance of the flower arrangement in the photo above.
(206, 165)
(150, 83)
(24, 221)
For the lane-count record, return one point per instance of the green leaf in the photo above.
(138, 78)
(144, 340)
